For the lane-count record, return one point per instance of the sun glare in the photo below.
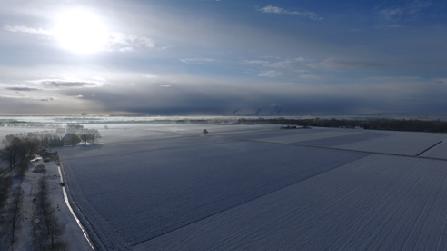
(80, 31)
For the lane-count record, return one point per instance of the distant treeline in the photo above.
(409, 125)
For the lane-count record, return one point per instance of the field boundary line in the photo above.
(429, 148)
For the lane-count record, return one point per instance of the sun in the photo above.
(80, 31)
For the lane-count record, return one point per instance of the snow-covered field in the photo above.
(404, 143)
(377, 203)
(257, 187)
(440, 151)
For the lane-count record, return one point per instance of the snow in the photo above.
(344, 139)
(72, 236)
(397, 143)
(377, 202)
(133, 192)
(257, 187)
(439, 151)
(386, 142)
(307, 135)
(24, 232)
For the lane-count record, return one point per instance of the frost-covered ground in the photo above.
(257, 187)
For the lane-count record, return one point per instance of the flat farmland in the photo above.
(377, 203)
(168, 187)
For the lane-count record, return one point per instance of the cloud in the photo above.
(214, 95)
(272, 9)
(67, 84)
(219, 96)
(257, 62)
(275, 67)
(22, 88)
(309, 69)
(126, 49)
(27, 94)
(45, 104)
(411, 8)
(29, 98)
(392, 13)
(197, 60)
(276, 63)
(334, 63)
(270, 74)
(27, 29)
(388, 26)
(150, 76)
(57, 83)
(128, 42)
(47, 99)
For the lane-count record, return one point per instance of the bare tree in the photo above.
(20, 148)
(95, 135)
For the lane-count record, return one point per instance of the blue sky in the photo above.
(223, 57)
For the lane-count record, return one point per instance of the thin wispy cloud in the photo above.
(389, 26)
(27, 29)
(275, 67)
(22, 88)
(150, 76)
(129, 42)
(62, 84)
(270, 74)
(49, 99)
(334, 63)
(408, 9)
(310, 69)
(276, 10)
(27, 98)
(197, 60)
(277, 63)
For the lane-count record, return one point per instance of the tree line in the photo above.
(410, 125)
(20, 148)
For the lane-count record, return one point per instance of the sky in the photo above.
(223, 57)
